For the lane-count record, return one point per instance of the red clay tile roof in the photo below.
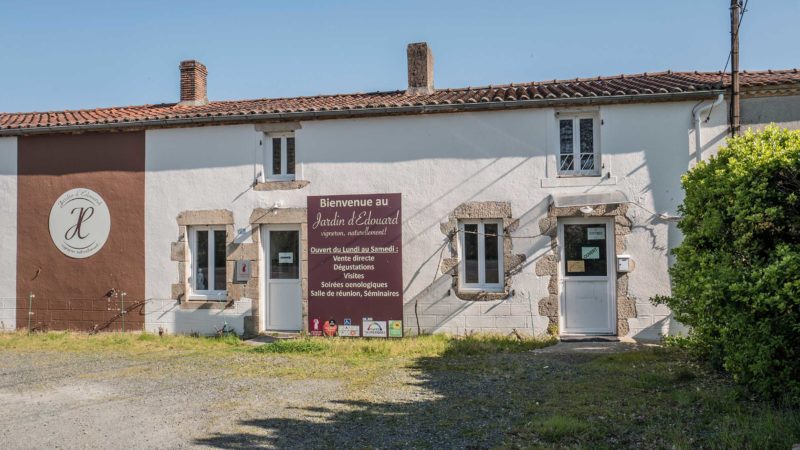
(638, 86)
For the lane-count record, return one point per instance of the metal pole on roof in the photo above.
(735, 17)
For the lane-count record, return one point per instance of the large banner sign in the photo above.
(355, 264)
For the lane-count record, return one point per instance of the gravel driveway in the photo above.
(173, 400)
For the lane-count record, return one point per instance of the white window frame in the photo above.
(481, 285)
(268, 168)
(209, 294)
(576, 145)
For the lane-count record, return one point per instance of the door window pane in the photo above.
(201, 261)
(283, 254)
(491, 251)
(276, 156)
(219, 261)
(585, 250)
(471, 253)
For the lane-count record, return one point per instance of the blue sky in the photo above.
(85, 54)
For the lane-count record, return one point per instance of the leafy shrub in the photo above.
(736, 280)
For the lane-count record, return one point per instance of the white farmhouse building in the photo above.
(535, 207)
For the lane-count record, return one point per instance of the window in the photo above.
(585, 250)
(578, 152)
(280, 156)
(208, 270)
(481, 265)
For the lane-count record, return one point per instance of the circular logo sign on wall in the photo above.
(80, 223)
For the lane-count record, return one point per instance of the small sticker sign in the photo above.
(374, 328)
(596, 234)
(576, 266)
(590, 252)
(330, 328)
(347, 321)
(285, 258)
(316, 327)
(350, 331)
(243, 268)
(395, 328)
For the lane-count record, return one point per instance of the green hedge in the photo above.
(736, 280)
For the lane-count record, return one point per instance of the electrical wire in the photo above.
(736, 35)
(730, 52)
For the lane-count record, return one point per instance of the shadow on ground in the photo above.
(578, 395)
(469, 401)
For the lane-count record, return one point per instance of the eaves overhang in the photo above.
(232, 119)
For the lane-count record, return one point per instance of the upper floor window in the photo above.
(208, 268)
(481, 243)
(579, 151)
(280, 156)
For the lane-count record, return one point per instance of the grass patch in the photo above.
(558, 427)
(648, 399)
(292, 346)
(418, 346)
(121, 343)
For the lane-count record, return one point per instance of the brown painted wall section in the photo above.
(73, 293)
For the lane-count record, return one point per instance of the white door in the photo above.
(587, 274)
(282, 308)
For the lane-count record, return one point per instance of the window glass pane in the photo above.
(587, 162)
(585, 250)
(201, 261)
(491, 252)
(290, 156)
(276, 156)
(587, 144)
(565, 136)
(219, 261)
(471, 253)
(567, 162)
(283, 254)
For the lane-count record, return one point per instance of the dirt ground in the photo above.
(576, 395)
(79, 400)
(84, 401)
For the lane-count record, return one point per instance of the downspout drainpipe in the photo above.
(697, 114)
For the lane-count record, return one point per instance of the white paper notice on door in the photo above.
(596, 234)
(590, 252)
(285, 258)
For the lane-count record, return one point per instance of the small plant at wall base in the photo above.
(736, 280)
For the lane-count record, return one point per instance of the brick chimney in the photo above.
(193, 83)
(420, 69)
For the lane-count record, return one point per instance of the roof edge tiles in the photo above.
(635, 88)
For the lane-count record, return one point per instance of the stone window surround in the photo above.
(234, 251)
(511, 262)
(548, 265)
(278, 185)
(276, 216)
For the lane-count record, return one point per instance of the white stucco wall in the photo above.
(438, 162)
(192, 169)
(758, 112)
(8, 238)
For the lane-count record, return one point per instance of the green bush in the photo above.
(736, 280)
